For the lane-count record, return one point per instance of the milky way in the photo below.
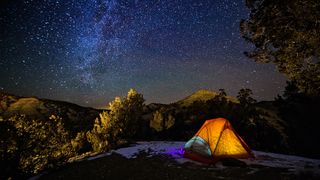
(87, 52)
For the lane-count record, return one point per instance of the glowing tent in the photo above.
(215, 140)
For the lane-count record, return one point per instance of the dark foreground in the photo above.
(162, 167)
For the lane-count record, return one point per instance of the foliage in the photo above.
(163, 119)
(286, 33)
(99, 136)
(33, 145)
(121, 121)
(80, 143)
(28, 146)
(9, 159)
(301, 113)
(244, 97)
(133, 109)
(41, 143)
(157, 122)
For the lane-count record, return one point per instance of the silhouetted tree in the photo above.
(244, 97)
(291, 90)
(301, 114)
(222, 93)
(286, 33)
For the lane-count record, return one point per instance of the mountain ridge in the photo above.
(77, 117)
(202, 95)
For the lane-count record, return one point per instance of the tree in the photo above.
(162, 120)
(287, 33)
(123, 120)
(99, 136)
(222, 93)
(107, 127)
(157, 123)
(244, 97)
(80, 143)
(291, 90)
(133, 107)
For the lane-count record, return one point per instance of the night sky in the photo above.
(88, 52)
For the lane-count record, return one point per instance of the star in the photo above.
(164, 49)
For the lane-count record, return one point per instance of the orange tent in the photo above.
(215, 140)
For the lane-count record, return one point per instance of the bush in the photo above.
(162, 120)
(80, 143)
(33, 145)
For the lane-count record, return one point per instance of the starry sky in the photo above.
(89, 51)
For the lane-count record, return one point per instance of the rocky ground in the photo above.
(163, 160)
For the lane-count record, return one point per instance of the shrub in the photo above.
(33, 145)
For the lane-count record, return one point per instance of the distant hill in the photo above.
(76, 118)
(202, 95)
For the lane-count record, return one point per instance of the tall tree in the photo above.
(287, 33)
(123, 120)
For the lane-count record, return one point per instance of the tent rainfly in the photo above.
(215, 140)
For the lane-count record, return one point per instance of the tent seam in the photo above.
(219, 138)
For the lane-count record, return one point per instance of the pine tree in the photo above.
(287, 33)
(122, 121)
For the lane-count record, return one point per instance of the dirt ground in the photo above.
(163, 167)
